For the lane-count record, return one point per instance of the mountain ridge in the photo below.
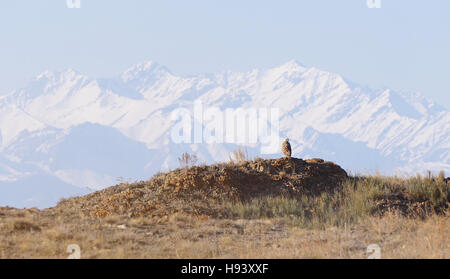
(404, 132)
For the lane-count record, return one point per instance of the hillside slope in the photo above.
(194, 190)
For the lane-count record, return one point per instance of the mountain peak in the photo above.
(145, 68)
(45, 74)
(145, 65)
(293, 65)
(67, 73)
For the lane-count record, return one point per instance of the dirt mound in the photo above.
(197, 189)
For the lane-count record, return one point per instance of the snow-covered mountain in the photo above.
(65, 133)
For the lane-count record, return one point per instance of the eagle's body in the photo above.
(286, 148)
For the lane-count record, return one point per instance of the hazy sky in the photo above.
(404, 45)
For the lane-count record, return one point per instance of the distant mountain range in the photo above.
(66, 134)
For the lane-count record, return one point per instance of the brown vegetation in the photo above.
(280, 208)
(187, 160)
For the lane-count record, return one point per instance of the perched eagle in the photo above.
(286, 148)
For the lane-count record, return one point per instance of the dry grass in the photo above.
(187, 160)
(239, 155)
(407, 218)
(358, 198)
(190, 237)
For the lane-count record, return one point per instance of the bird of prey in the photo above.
(286, 148)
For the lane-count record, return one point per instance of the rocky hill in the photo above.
(193, 190)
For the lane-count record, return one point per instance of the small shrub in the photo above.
(429, 189)
(239, 155)
(187, 160)
(25, 226)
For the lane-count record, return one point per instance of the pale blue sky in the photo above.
(404, 45)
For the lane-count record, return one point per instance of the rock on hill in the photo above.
(193, 190)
